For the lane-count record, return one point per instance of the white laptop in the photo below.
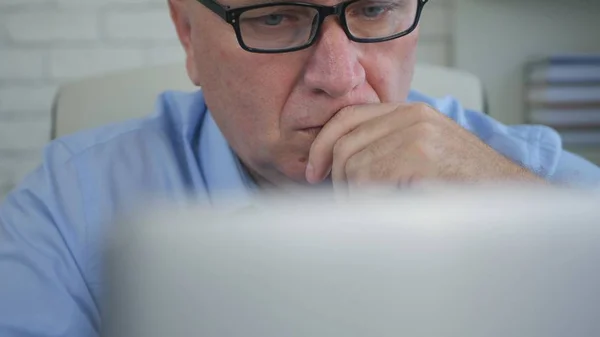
(448, 263)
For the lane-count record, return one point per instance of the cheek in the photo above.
(246, 93)
(389, 67)
(249, 83)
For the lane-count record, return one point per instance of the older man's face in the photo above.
(270, 107)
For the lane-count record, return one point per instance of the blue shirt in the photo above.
(51, 226)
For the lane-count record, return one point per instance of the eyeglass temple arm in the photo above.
(217, 8)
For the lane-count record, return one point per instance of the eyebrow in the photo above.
(244, 3)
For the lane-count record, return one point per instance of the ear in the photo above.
(181, 20)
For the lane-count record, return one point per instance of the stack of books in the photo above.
(563, 92)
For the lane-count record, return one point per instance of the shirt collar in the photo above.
(228, 183)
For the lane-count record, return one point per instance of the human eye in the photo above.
(375, 9)
(273, 17)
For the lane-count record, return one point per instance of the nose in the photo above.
(334, 67)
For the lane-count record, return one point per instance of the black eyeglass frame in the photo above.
(231, 15)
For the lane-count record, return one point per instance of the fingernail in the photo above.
(310, 173)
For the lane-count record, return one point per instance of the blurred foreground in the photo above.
(436, 262)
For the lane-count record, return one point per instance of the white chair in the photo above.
(114, 97)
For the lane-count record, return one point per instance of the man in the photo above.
(292, 95)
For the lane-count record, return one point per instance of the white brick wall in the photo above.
(44, 43)
(150, 25)
(75, 63)
(19, 64)
(46, 26)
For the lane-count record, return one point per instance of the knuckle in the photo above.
(424, 130)
(423, 150)
(424, 111)
(341, 149)
(352, 168)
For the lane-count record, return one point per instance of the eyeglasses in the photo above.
(289, 26)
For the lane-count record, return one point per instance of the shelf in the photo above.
(495, 39)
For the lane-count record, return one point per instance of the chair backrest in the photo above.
(118, 96)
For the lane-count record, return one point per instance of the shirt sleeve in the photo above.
(43, 290)
(573, 170)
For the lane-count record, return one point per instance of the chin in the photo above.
(292, 169)
(296, 174)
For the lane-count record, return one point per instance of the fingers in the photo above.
(354, 129)
(399, 145)
(398, 159)
(345, 121)
(366, 135)
(358, 170)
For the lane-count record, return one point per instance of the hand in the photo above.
(402, 144)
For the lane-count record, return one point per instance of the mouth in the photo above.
(312, 131)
